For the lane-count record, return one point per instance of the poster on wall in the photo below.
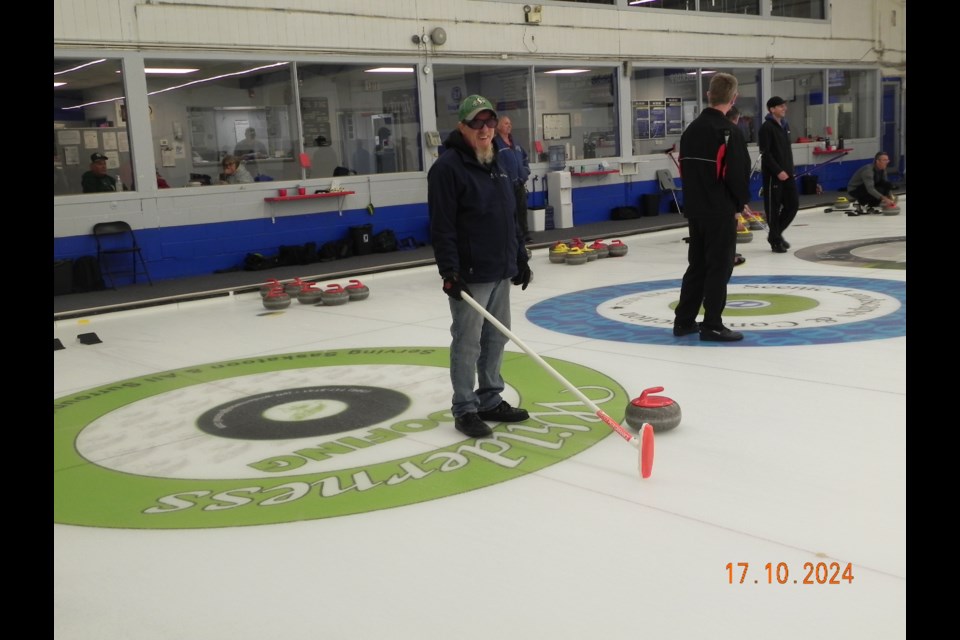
(674, 116)
(658, 118)
(641, 119)
(315, 113)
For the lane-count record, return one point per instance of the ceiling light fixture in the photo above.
(58, 84)
(169, 71)
(389, 70)
(567, 71)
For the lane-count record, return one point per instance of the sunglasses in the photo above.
(476, 125)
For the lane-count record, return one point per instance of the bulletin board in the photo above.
(556, 126)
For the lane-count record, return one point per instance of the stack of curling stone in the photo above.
(576, 255)
(743, 233)
(558, 253)
(617, 249)
(309, 294)
(276, 298)
(269, 286)
(661, 412)
(334, 295)
(600, 249)
(356, 290)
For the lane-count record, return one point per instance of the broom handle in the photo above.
(610, 422)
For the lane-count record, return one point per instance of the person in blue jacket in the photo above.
(479, 251)
(513, 159)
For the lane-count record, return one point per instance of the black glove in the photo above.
(453, 285)
(524, 275)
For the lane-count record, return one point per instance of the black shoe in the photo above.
(503, 412)
(470, 424)
(784, 243)
(778, 248)
(681, 330)
(738, 260)
(721, 334)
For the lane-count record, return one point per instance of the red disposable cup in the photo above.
(302, 191)
(282, 193)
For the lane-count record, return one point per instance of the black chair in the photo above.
(117, 239)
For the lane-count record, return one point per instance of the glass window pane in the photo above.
(853, 100)
(682, 5)
(797, 9)
(89, 117)
(664, 102)
(202, 111)
(370, 120)
(803, 91)
(507, 88)
(743, 7)
(588, 97)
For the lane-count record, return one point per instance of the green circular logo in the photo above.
(303, 436)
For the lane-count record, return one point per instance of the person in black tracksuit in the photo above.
(715, 172)
(780, 196)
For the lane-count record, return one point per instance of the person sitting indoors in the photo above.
(234, 172)
(869, 185)
(97, 180)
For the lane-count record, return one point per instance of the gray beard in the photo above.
(485, 157)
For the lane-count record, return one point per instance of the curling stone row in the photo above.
(577, 252)
(277, 295)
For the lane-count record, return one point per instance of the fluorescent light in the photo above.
(704, 72)
(170, 71)
(85, 64)
(58, 84)
(566, 71)
(636, 2)
(389, 70)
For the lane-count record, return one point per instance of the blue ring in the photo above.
(576, 314)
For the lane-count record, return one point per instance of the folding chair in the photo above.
(117, 239)
(665, 178)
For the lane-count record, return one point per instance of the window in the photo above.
(750, 101)
(797, 9)
(664, 102)
(89, 117)
(589, 96)
(853, 99)
(803, 91)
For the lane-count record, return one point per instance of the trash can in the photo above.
(808, 185)
(650, 204)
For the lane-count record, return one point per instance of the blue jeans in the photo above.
(476, 352)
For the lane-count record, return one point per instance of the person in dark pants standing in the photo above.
(715, 166)
(780, 196)
(513, 159)
(479, 251)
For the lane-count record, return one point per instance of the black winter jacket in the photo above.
(777, 154)
(713, 186)
(472, 216)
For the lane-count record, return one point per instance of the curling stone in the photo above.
(754, 222)
(276, 298)
(558, 253)
(661, 412)
(576, 256)
(617, 249)
(600, 249)
(591, 254)
(841, 203)
(743, 233)
(577, 242)
(334, 295)
(268, 287)
(356, 290)
(892, 210)
(309, 294)
(293, 287)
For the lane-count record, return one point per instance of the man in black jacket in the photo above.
(780, 196)
(715, 170)
(479, 251)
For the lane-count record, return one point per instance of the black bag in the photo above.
(86, 275)
(258, 262)
(62, 277)
(362, 236)
(385, 241)
(343, 171)
(624, 213)
(290, 255)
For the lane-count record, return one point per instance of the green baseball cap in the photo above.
(473, 105)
